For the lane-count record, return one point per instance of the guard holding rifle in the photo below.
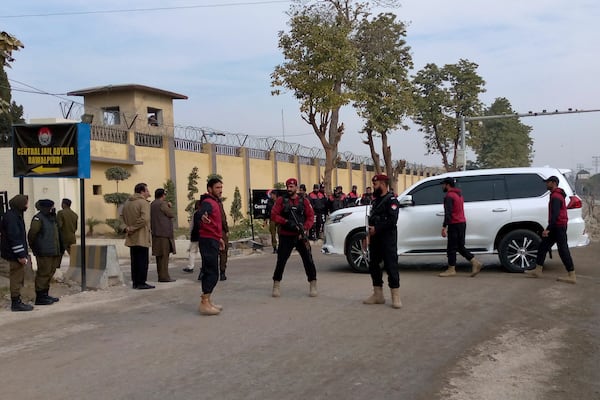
(294, 216)
(382, 239)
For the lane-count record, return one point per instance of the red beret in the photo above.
(291, 181)
(380, 177)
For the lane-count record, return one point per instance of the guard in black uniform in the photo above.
(383, 238)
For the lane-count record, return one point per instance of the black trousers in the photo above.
(384, 247)
(559, 236)
(456, 243)
(317, 228)
(286, 245)
(209, 251)
(140, 257)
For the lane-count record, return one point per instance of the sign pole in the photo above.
(82, 223)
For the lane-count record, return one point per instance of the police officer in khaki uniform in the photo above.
(163, 242)
(67, 224)
(13, 248)
(44, 240)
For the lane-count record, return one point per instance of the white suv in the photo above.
(506, 211)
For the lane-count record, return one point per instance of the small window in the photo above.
(521, 186)
(97, 189)
(155, 116)
(111, 115)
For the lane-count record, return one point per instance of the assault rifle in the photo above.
(300, 229)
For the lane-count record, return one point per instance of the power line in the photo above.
(131, 10)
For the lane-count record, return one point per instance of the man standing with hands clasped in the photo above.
(556, 232)
(383, 242)
(455, 227)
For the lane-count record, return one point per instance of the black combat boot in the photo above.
(18, 305)
(42, 299)
(54, 299)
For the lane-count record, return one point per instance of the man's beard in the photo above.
(445, 189)
(378, 192)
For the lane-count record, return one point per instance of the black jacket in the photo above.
(13, 242)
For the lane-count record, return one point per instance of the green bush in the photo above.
(243, 230)
(91, 223)
(116, 224)
(117, 198)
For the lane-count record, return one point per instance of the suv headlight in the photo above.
(339, 217)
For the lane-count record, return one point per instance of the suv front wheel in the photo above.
(518, 250)
(357, 252)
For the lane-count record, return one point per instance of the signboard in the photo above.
(260, 198)
(51, 150)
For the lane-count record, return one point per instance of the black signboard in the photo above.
(260, 197)
(46, 150)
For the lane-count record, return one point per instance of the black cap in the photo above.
(44, 203)
(552, 179)
(303, 187)
(448, 181)
(316, 186)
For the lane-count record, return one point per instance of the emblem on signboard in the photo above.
(45, 136)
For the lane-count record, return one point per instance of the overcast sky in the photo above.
(539, 54)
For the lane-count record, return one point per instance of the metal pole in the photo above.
(82, 224)
(514, 115)
(251, 213)
(463, 143)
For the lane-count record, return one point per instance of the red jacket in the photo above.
(557, 209)
(278, 214)
(210, 206)
(454, 209)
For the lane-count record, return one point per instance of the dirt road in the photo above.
(497, 336)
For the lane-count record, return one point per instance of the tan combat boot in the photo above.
(376, 297)
(313, 289)
(570, 278)
(205, 307)
(396, 303)
(276, 287)
(535, 273)
(476, 266)
(451, 271)
(217, 306)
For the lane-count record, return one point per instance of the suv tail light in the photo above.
(574, 202)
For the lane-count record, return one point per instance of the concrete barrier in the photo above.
(102, 266)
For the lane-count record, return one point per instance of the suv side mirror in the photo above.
(406, 201)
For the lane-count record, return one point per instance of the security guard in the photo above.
(44, 240)
(13, 248)
(294, 215)
(383, 237)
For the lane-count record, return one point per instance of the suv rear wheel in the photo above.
(518, 250)
(357, 252)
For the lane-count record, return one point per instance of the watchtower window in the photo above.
(111, 115)
(155, 116)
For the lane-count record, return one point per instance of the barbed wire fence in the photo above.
(200, 135)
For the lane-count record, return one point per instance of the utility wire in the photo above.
(131, 10)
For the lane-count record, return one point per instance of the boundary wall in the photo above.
(154, 159)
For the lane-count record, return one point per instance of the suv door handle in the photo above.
(500, 210)
(440, 214)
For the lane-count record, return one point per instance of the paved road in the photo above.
(497, 336)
